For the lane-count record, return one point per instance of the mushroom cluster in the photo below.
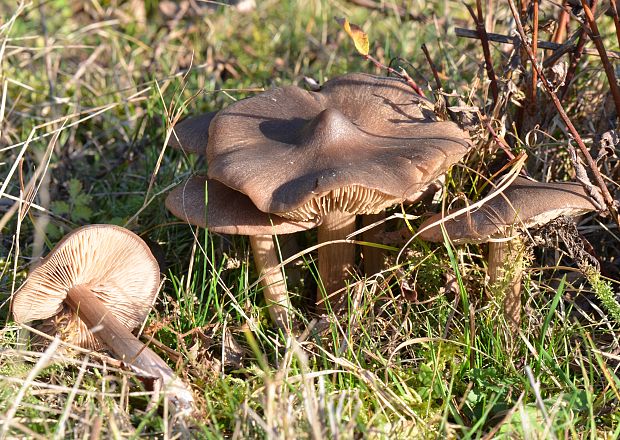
(360, 144)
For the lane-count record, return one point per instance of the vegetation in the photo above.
(90, 91)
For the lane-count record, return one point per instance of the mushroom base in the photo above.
(335, 260)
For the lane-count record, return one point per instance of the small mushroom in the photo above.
(191, 134)
(210, 204)
(102, 280)
(522, 205)
(360, 144)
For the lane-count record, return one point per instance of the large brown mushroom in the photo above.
(101, 280)
(210, 204)
(524, 204)
(359, 145)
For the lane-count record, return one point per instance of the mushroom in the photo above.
(230, 212)
(522, 205)
(360, 144)
(191, 134)
(102, 281)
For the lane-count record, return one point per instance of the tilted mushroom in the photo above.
(191, 134)
(102, 280)
(359, 145)
(522, 205)
(230, 212)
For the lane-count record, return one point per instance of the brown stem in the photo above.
(402, 75)
(569, 125)
(505, 260)
(560, 31)
(433, 68)
(595, 36)
(335, 260)
(484, 38)
(272, 279)
(534, 82)
(125, 345)
(614, 14)
(373, 257)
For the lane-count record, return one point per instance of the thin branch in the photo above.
(595, 36)
(433, 68)
(547, 45)
(562, 25)
(614, 14)
(483, 36)
(571, 128)
(402, 75)
(534, 51)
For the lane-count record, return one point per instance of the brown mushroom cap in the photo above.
(112, 261)
(227, 211)
(192, 134)
(360, 144)
(524, 204)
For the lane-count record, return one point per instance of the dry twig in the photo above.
(595, 36)
(482, 34)
(547, 45)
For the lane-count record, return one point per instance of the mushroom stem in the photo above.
(335, 260)
(373, 257)
(272, 279)
(125, 345)
(505, 273)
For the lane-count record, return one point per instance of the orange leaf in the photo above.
(359, 37)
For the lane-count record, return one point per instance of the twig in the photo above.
(547, 45)
(595, 36)
(483, 36)
(574, 58)
(571, 128)
(614, 14)
(402, 75)
(560, 31)
(433, 68)
(534, 51)
(499, 141)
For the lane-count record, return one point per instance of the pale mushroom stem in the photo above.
(373, 257)
(125, 345)
(335, 260)
(272, 279)
(503, 255)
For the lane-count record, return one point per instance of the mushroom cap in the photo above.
(360, 144)
(112, 261)
(192, 134)
(227, 211)
(524, 204)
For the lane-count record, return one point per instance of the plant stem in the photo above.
(595, 36)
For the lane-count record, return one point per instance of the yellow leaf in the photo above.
(359, 37)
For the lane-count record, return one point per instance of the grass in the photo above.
(89, 92)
